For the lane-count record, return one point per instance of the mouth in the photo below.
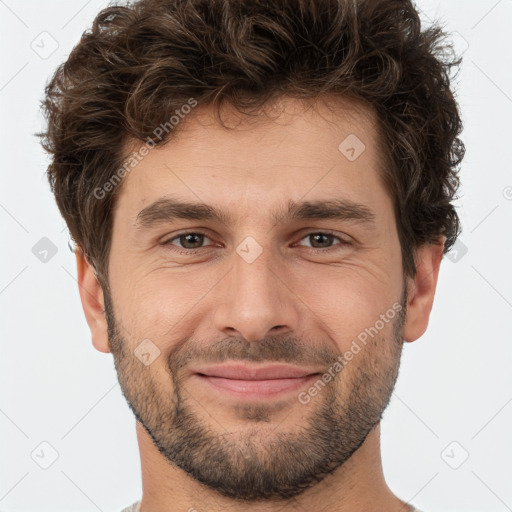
(255, 382)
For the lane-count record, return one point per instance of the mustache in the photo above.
(285, 349)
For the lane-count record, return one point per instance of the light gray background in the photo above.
(454, 394)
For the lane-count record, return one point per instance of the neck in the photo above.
(356, 486)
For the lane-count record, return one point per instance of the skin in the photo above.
(289, 304)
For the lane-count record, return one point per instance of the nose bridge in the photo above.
(254, 299)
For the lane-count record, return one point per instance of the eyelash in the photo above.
(199, 232)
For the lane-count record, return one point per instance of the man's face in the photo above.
(262, 286)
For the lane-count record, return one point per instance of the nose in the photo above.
(255, 300)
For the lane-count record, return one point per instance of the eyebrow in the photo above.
(167, 209)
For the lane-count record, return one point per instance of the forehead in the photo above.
(319, 150)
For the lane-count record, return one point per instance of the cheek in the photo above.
(167, 305)
(160, 305)
(348, 303)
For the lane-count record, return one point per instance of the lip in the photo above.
(252, 372)
(255, 382)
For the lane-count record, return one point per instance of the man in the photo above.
(260, 194)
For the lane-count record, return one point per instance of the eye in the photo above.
(189, 241)
(322, 241)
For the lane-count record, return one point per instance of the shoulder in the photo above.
(134, 507)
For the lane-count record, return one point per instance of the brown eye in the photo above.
(321, 240)
(191, 240)
(187, 242)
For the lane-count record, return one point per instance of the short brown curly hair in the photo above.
(142, 61)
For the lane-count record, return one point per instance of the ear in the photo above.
(421, 289)
(91, 295)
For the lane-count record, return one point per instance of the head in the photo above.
(256, 182)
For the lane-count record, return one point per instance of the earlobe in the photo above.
(91, 295)
(421, 290)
